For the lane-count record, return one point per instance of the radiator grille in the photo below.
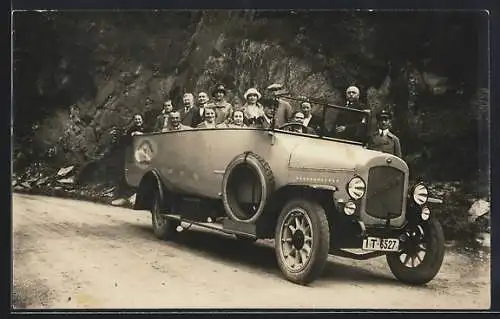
(385, 192)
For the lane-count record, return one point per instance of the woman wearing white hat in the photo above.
(252, 109)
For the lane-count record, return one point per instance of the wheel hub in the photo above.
(414, 248)
(298, 239)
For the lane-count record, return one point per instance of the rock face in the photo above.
(65, 171)
(478, 208)
(119, 202)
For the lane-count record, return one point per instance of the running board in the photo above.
(348, 254)
(228, 226)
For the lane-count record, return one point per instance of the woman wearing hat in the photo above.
(252, 109)
(223, 109)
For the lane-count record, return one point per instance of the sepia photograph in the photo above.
(250, 159)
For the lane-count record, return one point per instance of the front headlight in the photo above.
(425, 214)
(356, 188)
(420, 194)
(349, 208)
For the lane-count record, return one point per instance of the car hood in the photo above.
(324, 154)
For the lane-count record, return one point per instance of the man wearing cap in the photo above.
(199, 110)
(300, 127)
(223, 110)
(187, 111)
(383, 140)
(284, 112)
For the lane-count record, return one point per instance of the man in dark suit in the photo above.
(284, 111)
(266, 121)
(187, 111)
(199, 110)
(383, 140)
(310, 120)
(162, 119)
(350, 125)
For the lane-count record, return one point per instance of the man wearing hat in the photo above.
(284, 112)
(383, 140)
(223, 110)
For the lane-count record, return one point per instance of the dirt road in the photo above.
(73, 254)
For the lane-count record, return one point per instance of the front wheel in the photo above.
(421, 256)
(163, 227)
(302, 240)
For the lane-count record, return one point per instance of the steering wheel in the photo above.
(293, 124)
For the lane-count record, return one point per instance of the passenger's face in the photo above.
(299, 118)
(138, 120)
(252, 98)
(210, 116)
(202, 98)
(269, 111)
(175, 118)
(167, 106)
(186, 99)
(238, 118)
(384, 123)
(352, 94)
(219, 95)
(306, 108)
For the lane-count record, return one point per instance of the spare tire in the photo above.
(246, 186)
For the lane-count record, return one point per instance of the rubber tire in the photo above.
(432, 262)
(266, 178)
(168, 229)
(320, 246)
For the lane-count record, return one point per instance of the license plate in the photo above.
(381, 244)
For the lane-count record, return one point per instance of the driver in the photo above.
(297, 124)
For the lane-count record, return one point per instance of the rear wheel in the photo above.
(302, 240)
(421, 256)
(163, 227)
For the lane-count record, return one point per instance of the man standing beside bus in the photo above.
(384, 140)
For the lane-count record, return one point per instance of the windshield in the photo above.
(336, 121)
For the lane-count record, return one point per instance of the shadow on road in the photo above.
(259, 256)
(256, 257)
